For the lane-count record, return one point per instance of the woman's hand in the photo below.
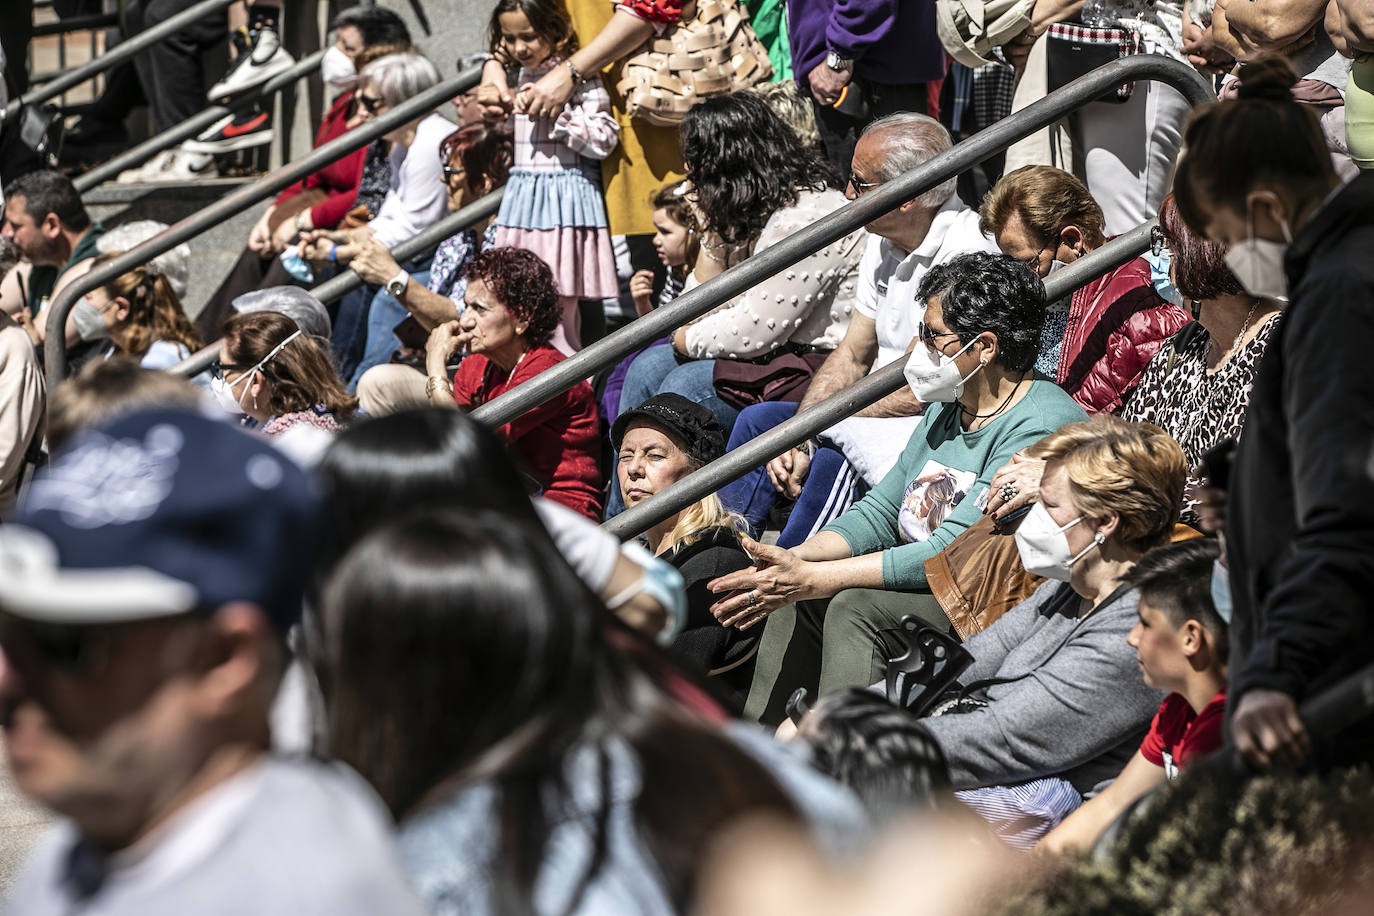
(495, 101)
(777, 578)
(1023, 475)
(788, 471)
(286, 235)
(374, 262)
(546, 97)
(443, 342)
(260, 236)
(642, 291)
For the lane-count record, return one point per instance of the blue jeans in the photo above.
(656, 371)
(382, 317)
(350, 336)
(823, 494)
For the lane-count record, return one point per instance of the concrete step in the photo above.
(213, 252)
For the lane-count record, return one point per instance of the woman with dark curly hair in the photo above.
(753, 183)
(512, 310)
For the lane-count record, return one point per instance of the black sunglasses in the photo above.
(861, 186)
(371, 103)
(217, 369)
(452, 172)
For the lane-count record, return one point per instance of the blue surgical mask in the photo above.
(1221, 591)
(1159, 276)
(297, 266)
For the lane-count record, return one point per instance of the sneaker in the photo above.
(244, 130)
(265, 59)
(174, 166)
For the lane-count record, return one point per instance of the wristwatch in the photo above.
(836, 62)
(397, 284)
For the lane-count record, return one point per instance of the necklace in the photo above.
(1000, 407)
(1235, 344)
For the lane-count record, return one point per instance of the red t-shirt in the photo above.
(1178, 735)
(557, 441)
(339, 179)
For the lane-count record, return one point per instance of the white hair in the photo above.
(174, 264)
(399, 76)
(293, 302)
(911, 140)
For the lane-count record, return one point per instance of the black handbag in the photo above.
(1073, 50)
(30, 140)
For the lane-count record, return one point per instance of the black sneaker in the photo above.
(244, 130)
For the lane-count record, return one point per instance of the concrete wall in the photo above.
(457, 27)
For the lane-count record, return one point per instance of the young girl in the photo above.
(677, 243)
(553, 204)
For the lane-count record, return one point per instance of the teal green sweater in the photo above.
(960, 461)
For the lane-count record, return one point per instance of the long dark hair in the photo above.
(385, 468)
(450, 635)
(746, 164)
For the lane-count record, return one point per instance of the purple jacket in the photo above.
(891, 41)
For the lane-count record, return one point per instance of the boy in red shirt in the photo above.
(1181, 644)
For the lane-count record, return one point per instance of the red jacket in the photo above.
(1116, 323)
(339, 179)
(558, 442)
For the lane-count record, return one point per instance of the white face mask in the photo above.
(1056, 265)
(224, 391)
(90, 324)
(1258, 264)
(934, 377)
(1044, 547)
(336, 69)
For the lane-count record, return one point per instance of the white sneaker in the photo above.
(174, 166)
(264, 60)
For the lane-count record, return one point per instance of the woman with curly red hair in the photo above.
(510, 315)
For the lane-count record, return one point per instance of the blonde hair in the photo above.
(791, 107)
(1133, 469)
(1047, 199)
(155, 312)
(701, 516)
(109, 388)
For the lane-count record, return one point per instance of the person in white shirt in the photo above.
(903, 244)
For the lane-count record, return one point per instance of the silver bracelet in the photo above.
(577, 76)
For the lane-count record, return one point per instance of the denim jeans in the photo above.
(382, 317)
(349, 340)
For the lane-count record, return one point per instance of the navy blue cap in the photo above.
(160, 512)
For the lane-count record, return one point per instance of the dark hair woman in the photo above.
(470, 678)
(271, 371)
(753, 184)
(859, 575)
(512, 310)
(1256, 177)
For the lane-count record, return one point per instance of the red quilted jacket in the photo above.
(1116, 323)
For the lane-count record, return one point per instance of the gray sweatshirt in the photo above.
(1077, 708)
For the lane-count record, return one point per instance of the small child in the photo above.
(1181, 642)
(677, 242)
(553, 204)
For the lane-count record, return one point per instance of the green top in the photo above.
(43, 280)
(940, 483)
(1359, 111)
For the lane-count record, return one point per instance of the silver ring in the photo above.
(1008, 491)
(753, 598)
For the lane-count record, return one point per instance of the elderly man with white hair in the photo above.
(823, 475)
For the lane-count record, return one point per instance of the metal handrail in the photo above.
(845, 402)
(118, 54)
(137, 155)
(335, 287)
(54, 347)
(891, 194)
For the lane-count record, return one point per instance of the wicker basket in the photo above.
(711, 51)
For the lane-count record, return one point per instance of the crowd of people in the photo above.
(299, 619)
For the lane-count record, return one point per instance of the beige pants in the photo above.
(389, 388)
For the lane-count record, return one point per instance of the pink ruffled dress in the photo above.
(553, 204)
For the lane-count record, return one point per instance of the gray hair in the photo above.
(400, 76)
(911, 140)
(174, 264)
(293, 302)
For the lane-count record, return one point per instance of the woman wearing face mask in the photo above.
(141, 316)
(282, 379)
(1096, 342)
(859, 575)
(1197, 386)
(1258, 179)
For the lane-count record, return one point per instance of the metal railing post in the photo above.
(54, 347)
(845, 402)
(846, 219)
(118, 54)
(137, 155)
(335, 287)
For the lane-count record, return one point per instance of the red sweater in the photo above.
(557, 442)
(339, 179)
(1116, 323)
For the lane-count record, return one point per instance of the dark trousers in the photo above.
(249, 273)
(172, 71)
(16, 28)
(839, 131)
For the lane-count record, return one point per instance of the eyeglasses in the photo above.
(372, 103)
(217, 369)
(1159, 242)
(928, 337)
(860, 186)
(450, 173)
